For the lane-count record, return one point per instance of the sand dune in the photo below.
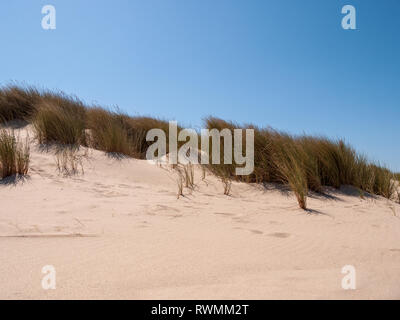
(118, 231)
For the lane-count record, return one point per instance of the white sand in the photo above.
(119, 232)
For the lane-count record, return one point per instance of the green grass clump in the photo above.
(60, 119)
(137, 128)
(108, 132)
(306, 163)
(384, 182)
(224, 171)
(14, 155)
(288, 160)
(116, 132)
(17, 103)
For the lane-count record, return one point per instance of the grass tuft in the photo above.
(69, 161)
(60, 119)
(107, 132)
(17, 102)
(14, 155)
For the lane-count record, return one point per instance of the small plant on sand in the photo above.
(179, 182)
(23, 157)
(227, 183)
(69, 161)
(361, 193)
(180, 186)
(14, 155)
(398, 187)
(8, 153)
(185, 177)
(188, 170)
(203, 172)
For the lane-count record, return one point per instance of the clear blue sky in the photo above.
(286, 64)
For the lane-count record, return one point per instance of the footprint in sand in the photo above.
(109, 194)
(240, 220)
(279, 234)
(274, 222)
(248, 200)
(224, 213)
(124, 186)
(162, 207)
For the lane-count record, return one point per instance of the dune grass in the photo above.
(108, 132)
(137, 131)
(116, 132)
(289, 164)
(17, 102)
(60, 119)
(304, 163)
(14, 155)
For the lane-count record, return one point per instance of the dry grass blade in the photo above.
(227, 183)
(188, 170)
(70, 162)
(203, 172)
(179, 182)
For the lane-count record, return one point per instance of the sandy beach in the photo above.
(118, 231)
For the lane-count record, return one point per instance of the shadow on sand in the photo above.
(14, 180)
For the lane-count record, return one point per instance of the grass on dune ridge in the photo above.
(309, 163)
(302, 162)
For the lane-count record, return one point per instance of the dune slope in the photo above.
(118, 231)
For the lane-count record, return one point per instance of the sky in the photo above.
(287, 64)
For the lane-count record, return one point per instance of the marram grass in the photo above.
(304, 163)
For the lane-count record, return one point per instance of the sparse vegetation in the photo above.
(69, 161)
(179, 182)
(203, 172)
(14, 155)
(185, 177)
(227, 183)
(188, 170)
